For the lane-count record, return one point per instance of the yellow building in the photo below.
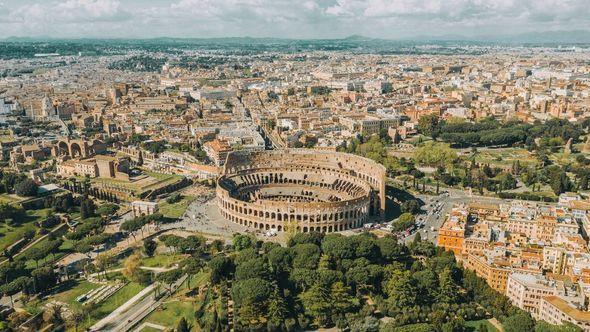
(495, 273)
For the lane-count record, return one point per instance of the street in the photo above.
(436, 208)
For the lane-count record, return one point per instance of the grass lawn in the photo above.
(5, 198)
(9, 234)
(110, 304)
(178, 305)
(502, 157)
(169, 313)
(162, 260)
(73, 289)
(162, 180)
(474, 324)
(150, 329)
(175, 210)
(563, 159)
(153, 181)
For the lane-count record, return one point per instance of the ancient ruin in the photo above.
(309, 190)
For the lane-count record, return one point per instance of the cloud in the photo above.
(70, 11)
(287, 18)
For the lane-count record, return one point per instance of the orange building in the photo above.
(451, 234)
(495, 273)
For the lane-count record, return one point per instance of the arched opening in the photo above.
(75, 150)
(62, 148)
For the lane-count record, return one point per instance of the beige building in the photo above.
(555, 310)
(525, 291)
(217, 150)
(97, 166)
(143, 208)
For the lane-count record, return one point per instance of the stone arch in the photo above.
(62, 148)
(76, 150)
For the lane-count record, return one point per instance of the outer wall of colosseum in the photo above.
(308, 189)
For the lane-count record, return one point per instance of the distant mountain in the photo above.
(568, 37)
(541, 37)
(358, 38)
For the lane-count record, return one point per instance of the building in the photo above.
(369, 124)
(451, 234)
(312, 190)
(97, 166)
(217, 150)
(526, 291)
(143, 208)
(494, 272)
(555, 310)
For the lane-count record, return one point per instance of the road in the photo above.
(142, 309)
(133, 311)
(443, 204)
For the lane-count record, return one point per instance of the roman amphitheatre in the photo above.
(301, 189)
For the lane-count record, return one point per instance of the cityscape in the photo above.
(245, 173)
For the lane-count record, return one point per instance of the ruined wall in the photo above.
(308, 189)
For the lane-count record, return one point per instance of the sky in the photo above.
(390, 19)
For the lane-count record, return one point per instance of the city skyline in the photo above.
(311, 19)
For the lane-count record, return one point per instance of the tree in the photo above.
(366, 324)
(168, 278)
(132, 270)
(342, 301)
(447, 290)
(44, 279)
(174, 198)
(52, 315)
(9, 211)
(149, 247)
(427, 124)
(405, 221)
(133, 225)
(318, 303)
(253, 268)
(221, 268)
(277, 310)
(87, 208)
(250, 296)
(401, 289)
(410, 206)
(566, 327)
(104, 261)
(182, 325)
(435, 154)
(338, 247)
(74, 318)
(243, 241)
(454, 325)
(560, 182)
(26, 188)
(520, 322)
(140, 159)
(427, 282)
(279, 260)
(421, 327)
(191, 267)
(22, 283)
(107, 209)
(307, 256)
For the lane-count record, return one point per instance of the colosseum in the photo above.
(311, 190)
